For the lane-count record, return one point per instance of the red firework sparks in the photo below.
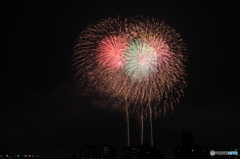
(110, 52)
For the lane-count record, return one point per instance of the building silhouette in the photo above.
(98, 152)
(190, 150)
(169, 154)
(142, 152)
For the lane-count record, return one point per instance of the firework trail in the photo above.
(138, 61)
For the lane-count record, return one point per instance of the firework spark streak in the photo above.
(139, 60)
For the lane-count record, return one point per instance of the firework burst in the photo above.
(110, 52)
(138, 59)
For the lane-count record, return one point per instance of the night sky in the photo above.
(44, 111)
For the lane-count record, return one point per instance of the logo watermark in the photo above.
(212, 152)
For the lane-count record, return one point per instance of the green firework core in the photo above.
(141, 60)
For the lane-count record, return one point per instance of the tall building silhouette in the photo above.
(190, 150)
(98, 152)
(142, 152)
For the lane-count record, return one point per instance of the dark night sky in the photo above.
(43, 111)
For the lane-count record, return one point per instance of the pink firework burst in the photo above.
(110, 52)
(162, 50)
